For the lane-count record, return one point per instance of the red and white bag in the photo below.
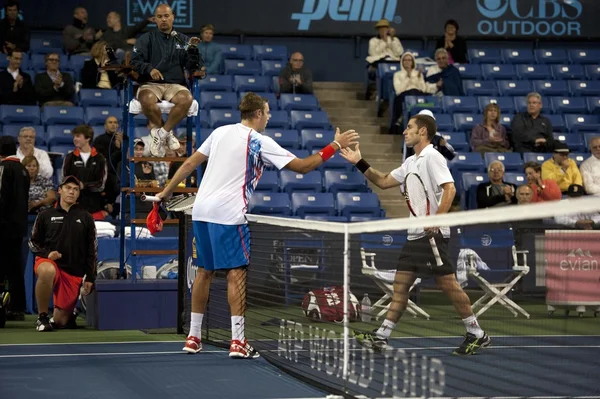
(326, 304)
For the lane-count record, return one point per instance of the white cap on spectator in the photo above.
(427, 112)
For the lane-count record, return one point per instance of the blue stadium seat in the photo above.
(251, 83)
(593, 72)
(313, 203)
(336, 162)
(204, 134)
(517, 56)
(444, 122)
(13, 131)
(279, 119)
(297, 182)
(31, 74)
(539, 71)
(309, 120)
(288, 139)
(385, 74)
(587, 138)
(458, 140)
(242, 67)
(573, 140)
(59, 134)
(566, 72)
(38, 62)
(52, 115)
(203, 118)
(63, 149)
(236, 51)
(578, 157)
(319, 218)
(271, 67)
(45, 46)
(216, 83)
(516, 178)
(141, 131)
(220, 117)
(480, 87)
(29, 114)
(291, 102)
(536, 157)
(514, 87)
(511, 160)
(485, 56)
(558, 123)
(550, 87)
(470, 71)
(218, 100)
(506, 104)
(454, 104)
(101, 97)
(354, 204)
(315, 138)
(466, 122)
(584, 88)
(274, 204)
(358, 219)
(582, 123)
(76, 62)
(593, 104)
(551, 56)
(336, 181)
(96, 116)
(467, 161)
(498, 71)
(270, 97)
(569, 105)
(269, 52)
(521, 104)
(587, 56)
(470, 181)
(414, 104)
(269, 182)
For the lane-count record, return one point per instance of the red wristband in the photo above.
(327, 152)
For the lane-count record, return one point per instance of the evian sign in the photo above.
(579, 259)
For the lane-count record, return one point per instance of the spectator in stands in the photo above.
(496, 192)
(454, 44)
(52, 86)
(210, 51)
(121, 39)
(15, 86)
(590, 168)
(89, 166)
(543, 190)
(562, 169)
(446, 77)
(532, 132)
(14, 34)
(295, 77)
(27, 147)
(78, 38)
(524, 194)
(438, 142)
(41, 189)
(385, 47)
(144, 177)
(91, 78)
(490, 136)
(582, 221)
(164, 77)
(109, 145)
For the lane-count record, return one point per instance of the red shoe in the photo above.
(192, 345)
(242, 350)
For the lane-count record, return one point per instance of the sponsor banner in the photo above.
(572, 267)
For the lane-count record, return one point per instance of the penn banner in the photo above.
(512, 19)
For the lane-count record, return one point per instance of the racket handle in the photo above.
(150, 198)
(436, 252)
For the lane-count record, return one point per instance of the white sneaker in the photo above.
(157, 148)
(171, 141)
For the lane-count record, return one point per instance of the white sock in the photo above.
(386, 329)
(237, 328)
(472, 326)
(196, 325)
(162, 133)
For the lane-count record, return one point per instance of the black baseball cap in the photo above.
(575, 190)
(70, 179)
(561, 147)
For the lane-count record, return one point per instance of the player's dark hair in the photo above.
(12, 3)
(453, 23)
(8, 146)
(533, 165)
(251, 103)
(86, 130)
(428, 122)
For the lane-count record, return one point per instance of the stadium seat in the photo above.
(236, 52)
(320, 218)
(514, 87)
(593, 72)
(578, 157)
(309, 120)
(59, 134)
(385, 74)
(141, 131)
(587, 138)
(458, 141)
(354, 204)
(242, 67)
(288, 139)
(593, 104)
(516, 178)
(487, 56)
(52, 115)
(551, 56)
(29, 114)
(45, 46)
(470, 71)
(414, 104)
(336, 181)
(203, 118)
(454, 104)
(498, 71)
(511, 160)
(588, 56)
(270, 97)
(506, 121)
(444, 122)
(336, 162)
(251, 83)
(506, 104)
(521, 104)
(298, 102)
(268, 182)
(466, 122)
(480, 87)
(550, 87)
(220, 117)
(275, 84)
(102, 97)
(517, 56)
(38, 62)
(584, 88)
(315, 138)
(76, 62)
(273, 204)
(467, 161)
(204, 134)
(567, 72)
(537, 157)
(62, 149)
(218, 100)
(558, 123)
(31, 74)
(582, 123)
(279, 120)
(297, 182)
(13, 131)
(216, 83)
(568, 105)
(358, 219)
(279, 53)
(573, 140)
(271, 67)
(96, 116)
(530, 72)
(313, 203)
(470, 181)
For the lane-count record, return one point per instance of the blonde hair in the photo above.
(97, 50)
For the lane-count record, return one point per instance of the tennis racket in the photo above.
(418, 203)
(179, 203)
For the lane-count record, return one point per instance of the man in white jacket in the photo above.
(27, 147)
(590, 168)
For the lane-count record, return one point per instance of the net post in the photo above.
(346, 301)
(182, 271)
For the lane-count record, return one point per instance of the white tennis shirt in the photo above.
(432, 168)
(237, 156)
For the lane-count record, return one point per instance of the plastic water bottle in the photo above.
(365, 309)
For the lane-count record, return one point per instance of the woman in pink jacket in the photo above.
(490, 136)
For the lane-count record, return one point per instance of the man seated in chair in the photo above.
(161, 57)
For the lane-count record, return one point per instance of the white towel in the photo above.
(105, 233)
(463, 263)
(105, 226)
(140, 232)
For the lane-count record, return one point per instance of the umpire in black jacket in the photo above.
(14, 194)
